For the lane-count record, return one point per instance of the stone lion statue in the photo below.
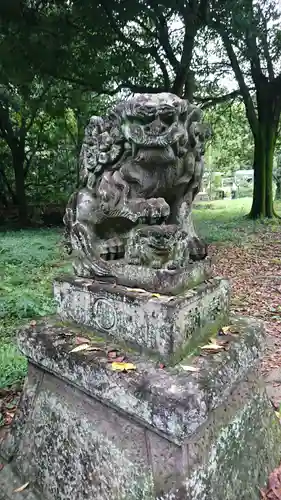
(141, 167)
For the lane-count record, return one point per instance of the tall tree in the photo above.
(144, 46)
(251, 35)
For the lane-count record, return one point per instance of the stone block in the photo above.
(233, 454)
(81, 448)
(166, 463)
(162, 324)
(151, 434)
(187, 397)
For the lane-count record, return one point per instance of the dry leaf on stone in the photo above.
(81, 340)
(137, 290)
(112, 354)
(156, 295)
(187, 368)
(2, 466)
(21, 488)
(81, 347)
(225, 329)
(123, 367)
(263, 495)
(213, 347)
(119, 359)
(33, 323)
(228, 330)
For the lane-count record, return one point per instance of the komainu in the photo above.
(141, 167)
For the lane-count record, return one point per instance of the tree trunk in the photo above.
(18, 166)
(265, 141)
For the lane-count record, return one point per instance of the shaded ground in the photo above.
(249, 254)
(255, 275)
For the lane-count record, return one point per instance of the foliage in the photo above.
(13, 366)
(250, 35)
(231, 145)
(28, 261)
(61, 63)
(138, 49)
(41, 140)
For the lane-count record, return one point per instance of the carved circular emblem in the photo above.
(104, 314)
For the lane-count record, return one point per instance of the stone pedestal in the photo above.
(86, 432)
(164, 325)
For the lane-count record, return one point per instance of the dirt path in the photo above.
(254, 271)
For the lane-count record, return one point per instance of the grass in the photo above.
(29, 260)
(224, 221)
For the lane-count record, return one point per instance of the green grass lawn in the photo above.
(224, 221)
(29, 260)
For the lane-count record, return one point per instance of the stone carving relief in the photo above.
(141, 167)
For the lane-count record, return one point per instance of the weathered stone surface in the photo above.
(165, 281)
(87, 449)
(236, 456)
(170, 401)
(163, 324)
(9, 481)
(23, 412)
(88, 432)
(141, 167)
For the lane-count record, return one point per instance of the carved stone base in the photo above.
(155, 280)
(85, 432)
(162, 324)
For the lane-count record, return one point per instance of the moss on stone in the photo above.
(200, 337)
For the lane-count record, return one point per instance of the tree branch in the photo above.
(245, 92)
(163, 35)
(208, 102)
(265, 46)
(122, 37)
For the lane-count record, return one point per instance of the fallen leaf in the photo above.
(213, 346)
(277, 493)
(156, 295)
(93, 348)
(137, 290)
(81, 340)
(112, 354)
(226, 329)
(122, 367)
(263, 494)
(81, 347)
(161, 365)
(119, 359)
(33, 323)
(21, 488)
(189, 368)
(2, 466)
